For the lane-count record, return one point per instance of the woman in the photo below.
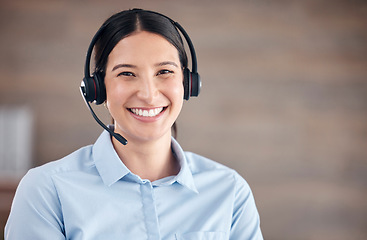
(149, 188)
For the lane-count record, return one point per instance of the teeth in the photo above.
(147, 113)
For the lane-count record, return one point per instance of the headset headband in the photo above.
(93, 87)
(177, 26)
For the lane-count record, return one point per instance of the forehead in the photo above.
(143, 47)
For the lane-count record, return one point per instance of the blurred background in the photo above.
(284, 100)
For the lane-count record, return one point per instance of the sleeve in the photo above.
(245, 219)
(36, 210)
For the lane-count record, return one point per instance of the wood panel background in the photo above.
(284, 98)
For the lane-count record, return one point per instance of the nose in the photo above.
(147, 90)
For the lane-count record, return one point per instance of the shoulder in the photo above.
(201, 165)
(41, 176)
(37, 193)
(77, 160)
(37, 199)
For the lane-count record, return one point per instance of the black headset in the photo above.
(93, 88)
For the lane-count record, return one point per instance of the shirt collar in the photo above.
(112, 169)
(184, 177)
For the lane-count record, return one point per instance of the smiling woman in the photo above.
(149, 188)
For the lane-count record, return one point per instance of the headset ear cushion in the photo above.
(100, 95)
(195, 84)
(187, 83)
(89, 89)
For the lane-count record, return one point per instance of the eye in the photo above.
(126, 74)
(164, 71)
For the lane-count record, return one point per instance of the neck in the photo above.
(150, 160)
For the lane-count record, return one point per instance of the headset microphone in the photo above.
(118, 137)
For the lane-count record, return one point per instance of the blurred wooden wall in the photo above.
(284, 98)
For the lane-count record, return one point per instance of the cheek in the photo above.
(177, 98)
(116, 93)
(176, 92)
(176, 86)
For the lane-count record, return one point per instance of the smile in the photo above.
(146, 112)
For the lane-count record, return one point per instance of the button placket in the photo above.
(150, 211)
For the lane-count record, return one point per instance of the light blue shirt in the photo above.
(91, 194)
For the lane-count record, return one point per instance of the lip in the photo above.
(147, 118)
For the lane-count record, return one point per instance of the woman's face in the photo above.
(144, 86)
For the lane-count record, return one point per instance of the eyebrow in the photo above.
(167, 63)
(123, 65)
